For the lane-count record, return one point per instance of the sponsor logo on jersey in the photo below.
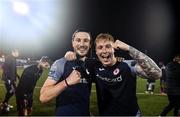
(83, 80)
(117, 79)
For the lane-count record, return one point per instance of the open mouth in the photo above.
(105, 57)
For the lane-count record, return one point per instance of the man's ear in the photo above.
(72, 43)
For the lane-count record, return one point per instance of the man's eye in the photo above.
(99, 47)
(86, 40)
(78, 40)
(108, 46)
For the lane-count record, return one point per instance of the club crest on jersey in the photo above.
(116, 71)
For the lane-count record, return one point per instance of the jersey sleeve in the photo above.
(57, 69)
(131, 64)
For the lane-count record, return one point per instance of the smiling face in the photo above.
(81, 43)
(105, 50)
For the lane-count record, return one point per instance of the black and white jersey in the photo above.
(116, 89)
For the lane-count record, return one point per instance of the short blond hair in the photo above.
(104, 36)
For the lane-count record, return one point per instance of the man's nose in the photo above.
(82, 43)
(103, 49)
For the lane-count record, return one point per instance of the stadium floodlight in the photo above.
(21, 7)
(33, 22)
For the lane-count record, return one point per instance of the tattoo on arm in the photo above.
(147, 65)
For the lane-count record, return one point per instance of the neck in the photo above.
(81, 57)
(114, 60)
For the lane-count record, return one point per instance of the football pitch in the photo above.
(150, 104)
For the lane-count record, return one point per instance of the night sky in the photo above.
(151, 26)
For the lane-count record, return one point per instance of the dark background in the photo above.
(135, 22)
(151, 26)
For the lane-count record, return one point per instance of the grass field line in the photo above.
(93, 91)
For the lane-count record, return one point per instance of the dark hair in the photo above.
(44, 59)
(81, 30)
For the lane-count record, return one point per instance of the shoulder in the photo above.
(58, 65)
(60, 61)
(57, 69)
(33, 66)
(130, 63)
(123, 64)
(173, 67)
(30, 68)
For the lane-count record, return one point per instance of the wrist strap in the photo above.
(66, 83)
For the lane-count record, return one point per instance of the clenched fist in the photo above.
(73, 78)
(120, 45)
(70, 55)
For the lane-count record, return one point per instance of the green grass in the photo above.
(151, 105)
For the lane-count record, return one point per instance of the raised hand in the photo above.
(120, 45)
(70, 55)
(73, 78)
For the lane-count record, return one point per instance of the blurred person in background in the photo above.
(9, 77)
(162, 79)
(172, 74)
(150, 86)
(26, 85)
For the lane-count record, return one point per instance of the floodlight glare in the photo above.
(33, 22)
(21, 8)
